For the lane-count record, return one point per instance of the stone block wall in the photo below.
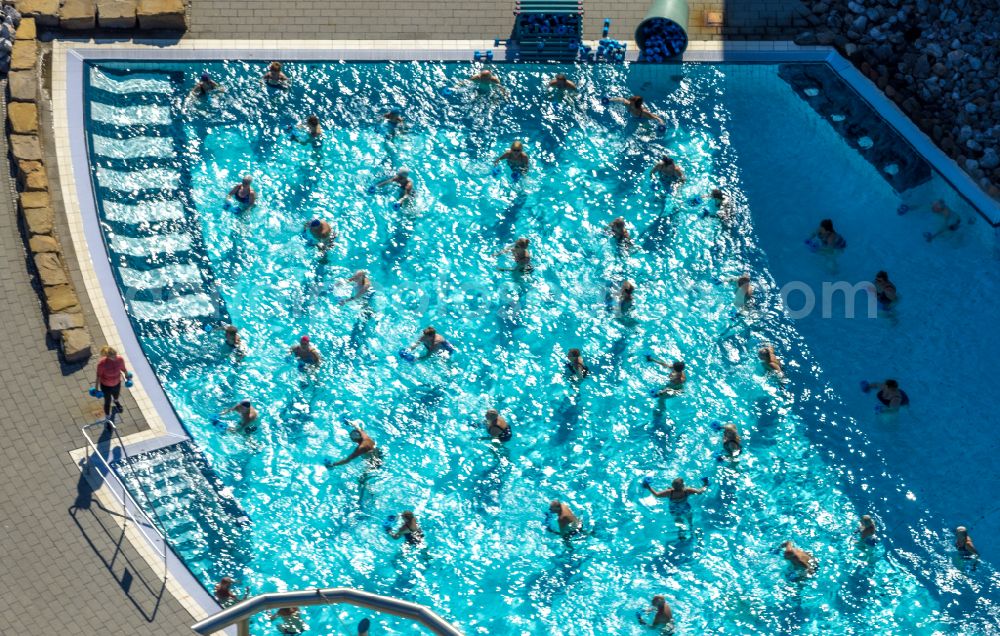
(938, 61)
(86, 15)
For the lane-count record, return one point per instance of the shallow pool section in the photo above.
(813, 461)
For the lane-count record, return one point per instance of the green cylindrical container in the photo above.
(664, 29)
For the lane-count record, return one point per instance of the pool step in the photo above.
(131, 83)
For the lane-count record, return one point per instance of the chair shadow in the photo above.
(107, 538)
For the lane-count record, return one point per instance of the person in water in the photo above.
(291, 620)
(719, 207)
(767, 358)
(248, 414)
(626, 297)
(667, 170)
(743, 293)
(521, 255)
(225, 595)
(568, 523)
(866, 530)
(497, 426)
(636, 107)
(732, 444)
(364, 626)
(244, 193)
(950, 220)
(205, 86)
(274, 77)
(365, 448)
(433, 342)
(885, 290)
(516, 158)
(678, 376)
(321, 232)
(485, 81)
(963, 543)
(677, 495)
(663, 616)
(232, 336)
(395, 121)
(826, 240)
(889, 395)
(619, 231)
(801, 561)
(306, 352)
(410, 530)
(575, 365)
(362, 285)
(313, 128)
(405, 183)
(562, 83)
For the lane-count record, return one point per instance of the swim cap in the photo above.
(314, 223)
(304, 339)
(205, 77)
(245, 403)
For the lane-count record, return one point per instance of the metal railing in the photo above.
(130, 508)
(241, 613)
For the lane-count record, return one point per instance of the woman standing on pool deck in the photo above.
(680, 507)
(110, 371)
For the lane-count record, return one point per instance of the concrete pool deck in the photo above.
(59, 543)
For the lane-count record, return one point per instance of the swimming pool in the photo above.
(278, 518)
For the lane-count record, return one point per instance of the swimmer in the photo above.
(365, 448)
(575, 365)
(680, 507)
(770, 361)
(433, 342)
(562, 83)
(626, 298)
(801, 560)
(246, 411)
(364, 626)
(950, 220)
(569, 523)
(485, 81)
(274, 77)
(719, 207)
(889, 395)
(678, 376)
(313, 128)
(232, 335)
(306, 352)
(497, 426)
(662, 614)
(963, 543)
(826, 240)
(205, 86)
(521, 255)
(667, 170)
(362, 285)
(885, 290)
(244, 193)
(321, 231)
(619, 231)
(743, 293)
(291, 620)
(517, 160)
(405, 183)
(636, 106)
(410, 531)
(225, 595)
(732, 444)
(395, 121)
(866, 530)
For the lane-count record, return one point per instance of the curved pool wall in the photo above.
(827, 403)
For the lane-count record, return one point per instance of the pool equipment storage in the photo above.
(550, 30)
(662, 34)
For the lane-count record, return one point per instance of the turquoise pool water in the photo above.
(814, 459)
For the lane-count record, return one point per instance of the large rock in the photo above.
(31, 176)
(75, 345)
(161, 14)
(61, 298)
(29, 200)
(78, 15)
(25, 147)
(23, 86)
(26, 30)
(23, 118)
(50, 270)
(64, 321)
(38, 221)
(45, 12)
(43, 244)
(116, 14)
(24, 55)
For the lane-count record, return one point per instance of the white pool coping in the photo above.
(68, 62)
